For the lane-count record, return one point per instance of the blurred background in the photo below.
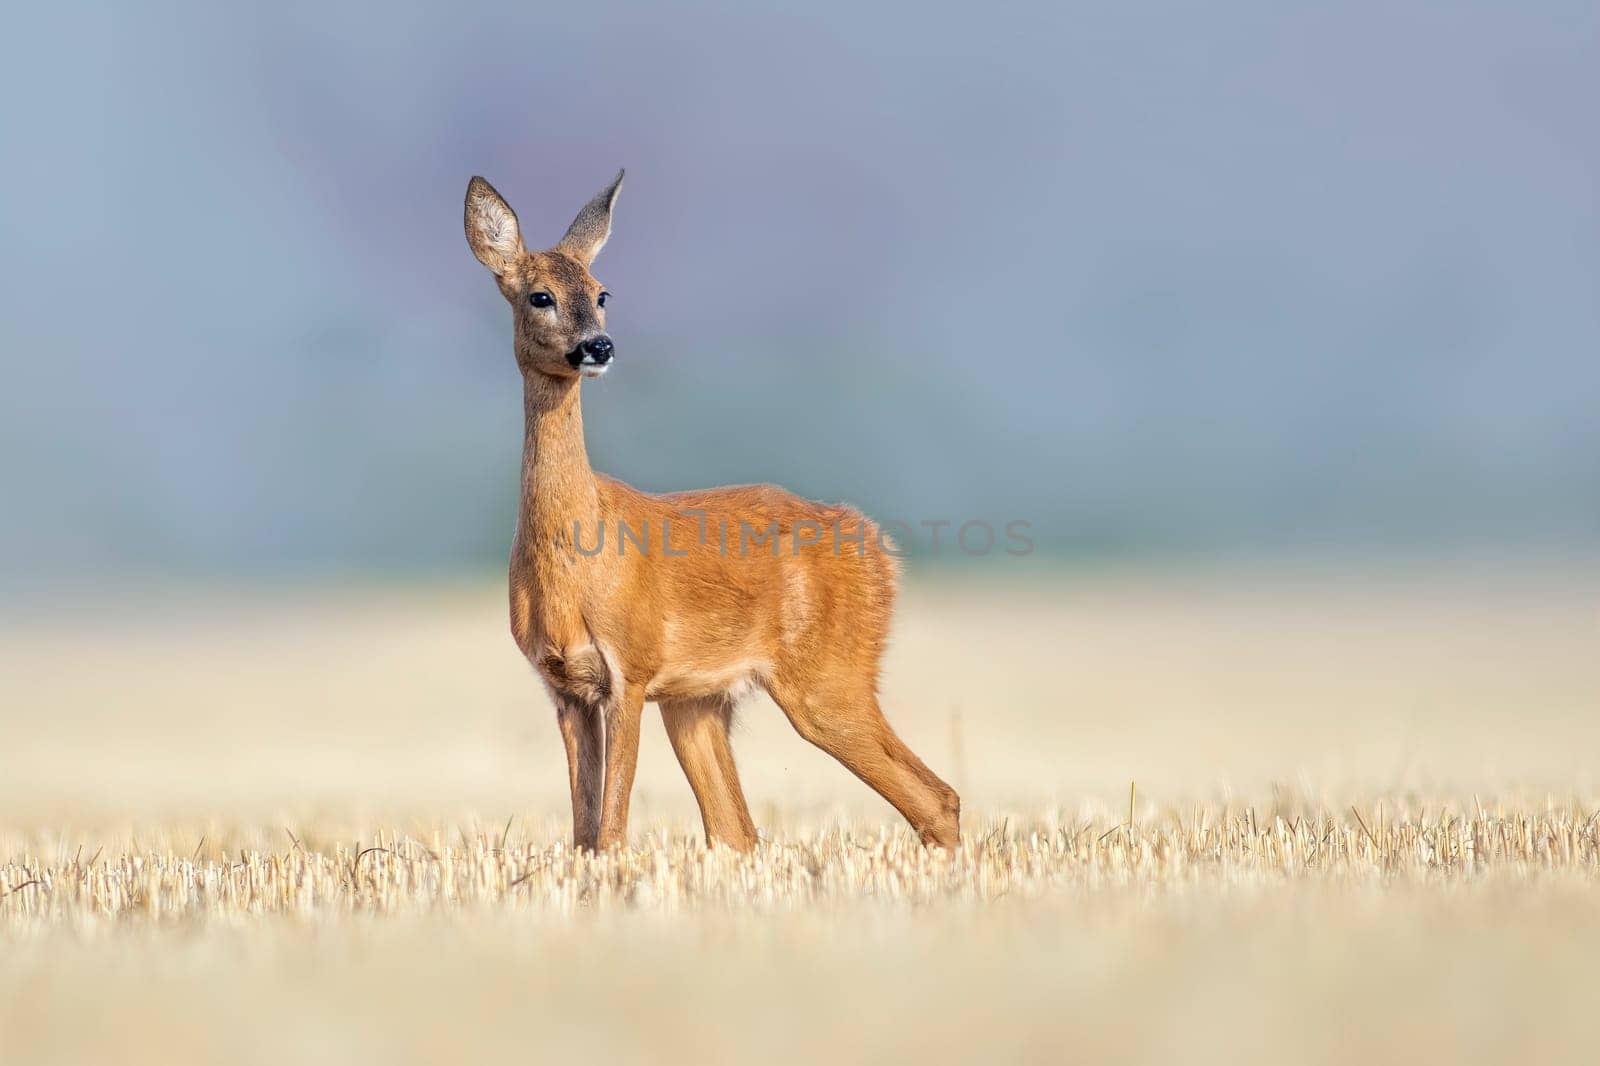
(1300, 299)
(1159, 279)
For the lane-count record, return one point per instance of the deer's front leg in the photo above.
(581, 731)
(622, 757)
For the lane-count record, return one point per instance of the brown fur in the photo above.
(609, 630)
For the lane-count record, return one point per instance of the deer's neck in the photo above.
(558, 487)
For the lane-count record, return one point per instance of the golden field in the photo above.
(1313, 816)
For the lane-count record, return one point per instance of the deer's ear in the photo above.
(492, 227)
(588, 232)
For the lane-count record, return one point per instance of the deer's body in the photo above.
(688, 599)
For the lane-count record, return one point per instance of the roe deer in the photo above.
(692, 620)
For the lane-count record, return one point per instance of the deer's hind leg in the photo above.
(843, 719)
(698, 730)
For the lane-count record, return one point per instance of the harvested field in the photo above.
(1311, 818)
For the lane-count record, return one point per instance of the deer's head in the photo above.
(557, 305)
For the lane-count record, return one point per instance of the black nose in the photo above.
(597, 348)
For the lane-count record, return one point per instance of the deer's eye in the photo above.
(541, 299)
(601, 299)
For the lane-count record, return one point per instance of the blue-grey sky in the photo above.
(1173, 276)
